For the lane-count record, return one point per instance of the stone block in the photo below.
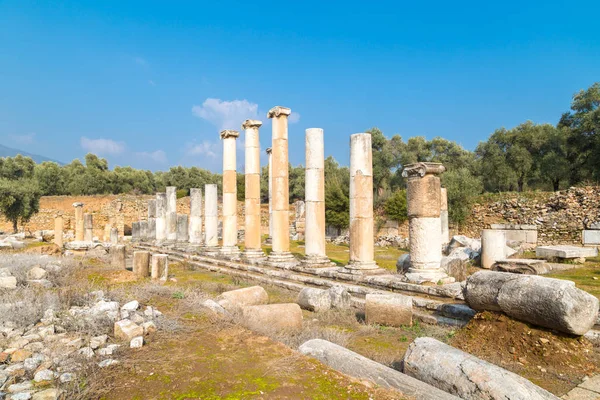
(591, 238)
(565, 251)
(522, 266)
(278, 317)
(250, 296)
(314, 299)
(8, 282)
(388, 309)
(126, 330)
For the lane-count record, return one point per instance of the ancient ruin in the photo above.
(252, 238)
(229, 246)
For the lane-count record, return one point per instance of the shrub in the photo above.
(395, 206)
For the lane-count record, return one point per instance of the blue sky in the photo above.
(150, 84)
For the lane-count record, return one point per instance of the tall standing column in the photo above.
(58, 231)
(362, 252)
(211, 218)
(78, 221)
(171, 216)
(229, 246)
(269, 153)
(252, 242)
(151, 234)
(88, 227)
(444, 216)
(314, 190)
(281, 196)
(195, 230)
(425, 230)
(161, 216)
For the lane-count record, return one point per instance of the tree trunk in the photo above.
(15, 226)
(556, 184)
(520, 185)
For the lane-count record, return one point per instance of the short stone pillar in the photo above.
(182, 228)
(444, 216)
(143, 231)
(270, 169)
(88, 227)
(195, 230)
(118, 256)
(161, 216)
(114, 235)
(78, 221)
(314, 190)
(229, 246)
(280, 187)
(151, 232)
(135, 231)
(171, 215)
(362, 239)
(141, 263)
(160, 267)
(252, 242)
(58, 231)
(493, 247)
(425, 230)
(211, 218)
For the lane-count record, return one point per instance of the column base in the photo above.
(281, 259)
(253, 255)
(211, 251)
(420, 276)
(229, 252)
(314, 261)
(362, 265)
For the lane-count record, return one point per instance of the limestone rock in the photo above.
(36, 273)
(8, 282)
(149, 327)
(464, 375)
(250, 296)
(44, 375)
(98, 341)
(314, 299)
(20, 356)
(340, 297)
(127, 330)
(48, 394)
(137, 342)
(277, 317)
(214, 306)
(131, 306)
(388, 309)
(551, 303)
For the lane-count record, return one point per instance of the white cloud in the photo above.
(226, 114)
(294, 117)
(102, 146)
(206, 148)
(23, 139)
(157, 156)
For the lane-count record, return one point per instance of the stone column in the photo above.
(151, 234)
(280, 186)
(314, 188)
(269, 152)
(252, 242)
(211, 218)
(444, 216)
(425, 230)
(229, 246)
(161, 216)
(171, 215)
(118, 256)
(135, 231)
(195, 230)
(493, 247)
(182, 228)
(114, 235)
(362, 239)
(78, 221)
(143, 231)
(58, 231)
(141, 263)
(88, 227)
(160, 267)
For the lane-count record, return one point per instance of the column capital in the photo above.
(78, 204)
(228, 133)
(421, 169)
(278, 111)
(269, 150)
(251, 123)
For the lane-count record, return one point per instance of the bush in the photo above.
(463, 188)
(181, 193)
(395, 206)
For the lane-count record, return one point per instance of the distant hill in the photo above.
(10, 152)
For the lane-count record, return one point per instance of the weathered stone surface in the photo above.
(214, 306)
(563, 251)
(36, 273)
(137, 342)
(590, 237)
(250, 296)
(127, 330)
(48, 394)
(314, 299)
(287, 316)
(340, 297)
(8, 282)
(522, 266)
(551, 303)
(403, 263)
(357, 366)
(388, 309)
(464, 375)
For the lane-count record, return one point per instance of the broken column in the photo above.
(211, 218)
(78, 221)
(280, 186)
(182, 228)
(161, 216)
(118, 256)
(114, 235)
(425, 230)
(58, 231)
(143, 231)
(195, 230)
(160, 267)
(362, 239)
(151, 231)
(229, 246)
(315, 199)
(444, 216)
(171, 214)
(269, 153)
(88, 227)
(252, 242)
(141, 263)
(493, 247)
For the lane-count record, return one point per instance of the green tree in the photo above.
(337, 199)
(19, 200)
(50, 178)
(462, 188)
(395, 206)
(383, 161)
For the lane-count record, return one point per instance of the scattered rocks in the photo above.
(287, 316)
(314, 299)
(250, 296)
(126, 330)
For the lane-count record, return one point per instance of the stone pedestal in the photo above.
(141, 263)
(160, 267)
(114, 235)
(211, 219)
(314, 234)
(182, 228)
(195, 216)
(171, 214)
(135, 231)
(493, 247)
(425, 228)
(362, 253)
(161, 217)
(151, 231)
(269, 154)
(252, 242)
(229, 246)
(444, 216)
(280, 187)
(143, 231)
(88, 227)
(78, 221)
(118, 256)
(58, 231)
